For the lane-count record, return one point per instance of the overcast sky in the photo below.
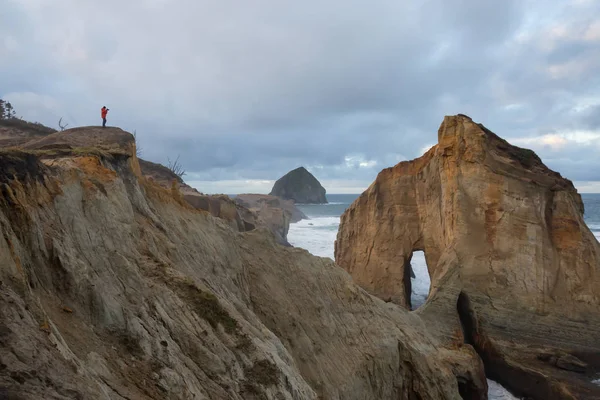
(245, 91)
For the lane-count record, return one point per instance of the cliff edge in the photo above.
(514, 270)
(273, 212)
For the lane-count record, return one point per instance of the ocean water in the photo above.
(318, 234)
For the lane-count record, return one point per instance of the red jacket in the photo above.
(103, 112)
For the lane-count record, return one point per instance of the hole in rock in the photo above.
(419, 283)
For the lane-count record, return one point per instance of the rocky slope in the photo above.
(244, 213)
(507, 250)
(22, 134)
(113, 287)
(261, 201)
(15, 132)
(220, 206)
(300, 186)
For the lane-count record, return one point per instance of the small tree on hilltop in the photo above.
(10, 111)
(6, 110)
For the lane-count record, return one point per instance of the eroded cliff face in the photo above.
(112, 287)
(506, 248)
(272, 212)
(220, 206)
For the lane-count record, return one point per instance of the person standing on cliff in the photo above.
(103, 112)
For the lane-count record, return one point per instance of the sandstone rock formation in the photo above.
(36, 136)
(113, 287)
(273, 212)
(301, 186)
(261, 201)
(507, 251)
(244, 213)
(220, 206)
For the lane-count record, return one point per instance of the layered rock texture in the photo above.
(16, 133)
(113, 287)
(273, 212)
(507, 251)
(300, 186)
(244, 213)
(220, 206)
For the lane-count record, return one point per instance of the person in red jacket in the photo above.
(103, 113)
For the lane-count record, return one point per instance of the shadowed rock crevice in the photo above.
(467, 389)
(408, 275)
(523, 383)
(468, 321)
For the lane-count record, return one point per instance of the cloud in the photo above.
(587, 187)
(552, 141)
(246, 92)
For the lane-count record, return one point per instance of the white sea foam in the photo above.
(420, 283)
(316, 235)
(497, 392)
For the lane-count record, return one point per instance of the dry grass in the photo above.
(157, 192)
(206, 305)
(33, 128)
(64, 152)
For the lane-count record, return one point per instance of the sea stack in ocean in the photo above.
(301, 186)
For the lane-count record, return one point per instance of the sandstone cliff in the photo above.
(261, 201)
(15, 133)
(220, 206)
(300, 186)
(273, 212)
(506, 248)
(244, 213)
(113, 287)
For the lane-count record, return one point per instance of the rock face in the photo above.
(301, 186)
(506, 248)
(113, 287)
(274, 213)
(245, 213)
(261, 201)
(220, 206)
(15, 132)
